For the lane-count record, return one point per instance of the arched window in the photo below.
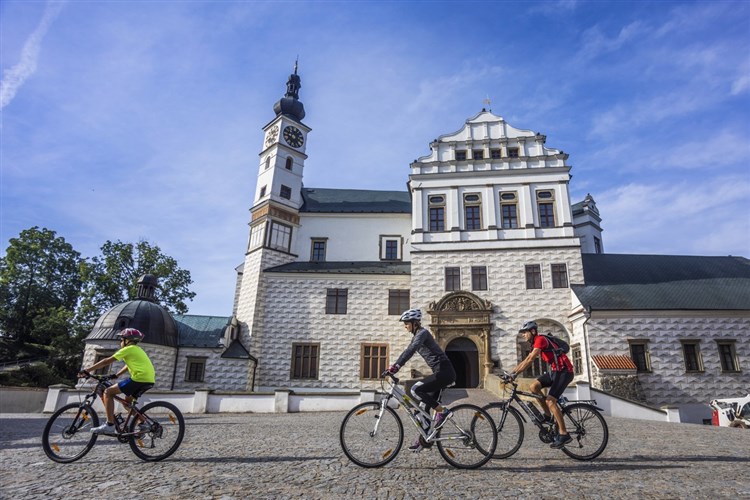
(289, 162)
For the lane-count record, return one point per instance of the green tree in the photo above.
(40, 277)
(112, 278)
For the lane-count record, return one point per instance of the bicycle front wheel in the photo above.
(509, 425)
(67, 435)
(588, 429)
(160, 434)
(371, 436)
(468, 438)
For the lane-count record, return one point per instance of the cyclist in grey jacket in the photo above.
(443, 373)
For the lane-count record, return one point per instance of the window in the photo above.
(640, 355)
(477, 154)
(262, 192)
(318, 250)
(286, 192)
(597, 245)
(289, 163)
(509, 208)
(513, 152)
(728, 356)
(479, 278)
(256, 236)
(472, 209)
(336, 299)
(460, 155)
(391, 250)
(374, 361)
(577, 359)
(390, 247)
(305, 361)
(495, 154)
(398, 302)
(546, 206)
(100, 355)
(692, 354)
(268, 162)
(437, 213)
(452, 278)
(533, 276)
(195, 370)
(280, 236)
(559, 275)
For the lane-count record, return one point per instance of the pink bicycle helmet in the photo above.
(131, 333)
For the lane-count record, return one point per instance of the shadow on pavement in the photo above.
(247, 460)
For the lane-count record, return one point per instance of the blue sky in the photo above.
(142, 120)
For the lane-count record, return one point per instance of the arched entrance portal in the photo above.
(460, 322)
(464, 356)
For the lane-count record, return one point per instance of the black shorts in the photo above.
(556, 381)
(129, 387)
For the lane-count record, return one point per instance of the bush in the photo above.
(36, 375)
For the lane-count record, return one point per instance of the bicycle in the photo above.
(372, 433)
(583, 422)
(154, 431)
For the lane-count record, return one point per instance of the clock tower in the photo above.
(274, 217)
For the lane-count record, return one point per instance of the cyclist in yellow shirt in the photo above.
(142, 375)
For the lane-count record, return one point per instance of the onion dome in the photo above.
(290, 105)
(144, 313)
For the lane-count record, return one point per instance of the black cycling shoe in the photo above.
(561, 440)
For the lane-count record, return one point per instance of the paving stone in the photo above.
(298, 456)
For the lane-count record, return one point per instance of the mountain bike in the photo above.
(583, 421)
(154, 431)
(372, 433)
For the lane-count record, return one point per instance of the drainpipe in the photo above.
(587, 315)
(174, 372)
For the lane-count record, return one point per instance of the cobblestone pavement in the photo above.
(298, 456)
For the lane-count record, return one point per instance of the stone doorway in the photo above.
(460, 322)
(464, 356)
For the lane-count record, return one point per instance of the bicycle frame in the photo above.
(413, 410)
(131, 406)
(562, 402)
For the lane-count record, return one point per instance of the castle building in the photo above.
(484, 238)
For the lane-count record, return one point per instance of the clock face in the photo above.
(293, 136)
(273, 133)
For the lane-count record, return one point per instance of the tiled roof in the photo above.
(613, 362)
(200, 331)
(362, 267)
(355, 201)
(664, 282)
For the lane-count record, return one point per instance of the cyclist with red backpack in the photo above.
(557, 380)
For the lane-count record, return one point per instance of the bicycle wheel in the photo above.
(369, 439)
(509, 427)
(468, 438)
(588, 429)
(160, 435)
(67, 435)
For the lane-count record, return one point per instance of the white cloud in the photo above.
(15, 77)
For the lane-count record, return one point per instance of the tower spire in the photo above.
(290, 105)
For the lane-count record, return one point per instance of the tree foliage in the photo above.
(40, 275)
(112, 278)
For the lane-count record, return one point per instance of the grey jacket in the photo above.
(425, 345)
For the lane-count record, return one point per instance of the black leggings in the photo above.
(429, 387)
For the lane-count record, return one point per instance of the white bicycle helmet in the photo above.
(411, 315)
(528, 326)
